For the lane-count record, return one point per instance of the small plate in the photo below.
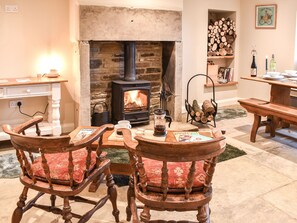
(268, 77)
(292, 72)
(289, 75)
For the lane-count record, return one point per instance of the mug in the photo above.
(125, 123)
(121, 126)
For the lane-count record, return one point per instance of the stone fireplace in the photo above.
(157, 33)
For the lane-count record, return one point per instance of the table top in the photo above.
(285, 82)
(118, 143)
(108, 142)
(30, 81)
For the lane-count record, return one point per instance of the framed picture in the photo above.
(266, 16)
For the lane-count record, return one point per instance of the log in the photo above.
(223, 52)
(214, 47)
(197, 118)
(196, 108)
(192, 112)
(210, 118)
(203, 119)
(207, 107)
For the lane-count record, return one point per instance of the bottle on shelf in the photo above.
(272, 65)
(253, 65)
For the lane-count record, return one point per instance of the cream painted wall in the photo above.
(195, 23)
(39, 28)
(280, 41)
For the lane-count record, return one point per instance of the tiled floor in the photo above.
(258, 187)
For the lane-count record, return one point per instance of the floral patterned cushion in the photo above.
(177, 173)
(58, 164)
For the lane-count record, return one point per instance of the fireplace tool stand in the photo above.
(209, 108)
(163, 98)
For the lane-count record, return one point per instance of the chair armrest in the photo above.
(128, 141)
(28, 124)
(217, 134)
(88, 140)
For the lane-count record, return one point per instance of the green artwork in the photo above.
(266, 16)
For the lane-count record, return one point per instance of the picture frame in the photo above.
(265, 16)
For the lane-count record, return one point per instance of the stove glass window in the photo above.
(135, 100)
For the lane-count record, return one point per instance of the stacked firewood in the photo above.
(204, 114)
(221, 35)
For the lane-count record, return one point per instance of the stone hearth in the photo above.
(102, 31)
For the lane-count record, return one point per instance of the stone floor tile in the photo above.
(255, 210)
(241, 179)
(284, 198)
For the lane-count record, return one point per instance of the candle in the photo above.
(266, 64)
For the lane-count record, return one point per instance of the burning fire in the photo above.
(135, 100)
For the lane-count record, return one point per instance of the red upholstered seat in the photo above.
(177, 173)
(58, 164)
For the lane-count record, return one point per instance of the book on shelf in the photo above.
(190, 137)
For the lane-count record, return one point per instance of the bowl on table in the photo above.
(273, 74)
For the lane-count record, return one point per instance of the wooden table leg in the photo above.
(280, 95)
(256, 124)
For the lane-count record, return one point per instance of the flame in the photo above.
(133, 97)
(135, 100)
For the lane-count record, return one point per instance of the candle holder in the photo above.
(266, 65)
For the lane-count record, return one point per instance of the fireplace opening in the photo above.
(131, 62)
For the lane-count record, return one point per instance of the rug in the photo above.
(9, 166)
(230, 113)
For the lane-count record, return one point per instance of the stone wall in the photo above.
(107, 64)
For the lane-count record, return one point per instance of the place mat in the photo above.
(149, 134)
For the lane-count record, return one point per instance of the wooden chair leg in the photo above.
(145, 215)
(67, 211)
(112, 192)
(203, 214)
(18, 212)
(130, 195)
(256, 124)
(53, 200)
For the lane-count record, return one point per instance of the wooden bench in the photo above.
(276, 112)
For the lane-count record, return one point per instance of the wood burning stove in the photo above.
(131, 101)
(131, 97)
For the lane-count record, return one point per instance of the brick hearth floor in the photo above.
(258, 187)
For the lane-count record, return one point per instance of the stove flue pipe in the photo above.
(129, 61)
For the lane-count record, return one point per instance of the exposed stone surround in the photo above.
(101, 24)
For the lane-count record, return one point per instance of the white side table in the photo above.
(34, 87)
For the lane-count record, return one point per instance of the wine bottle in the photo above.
(254, 67)
(272, 65)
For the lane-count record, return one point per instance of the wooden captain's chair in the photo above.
(60, 166)
(171, 176)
